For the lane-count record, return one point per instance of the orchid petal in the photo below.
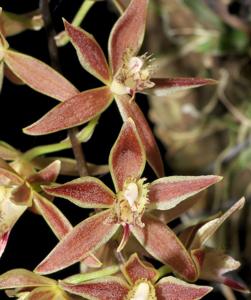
(127, 33)
(125, 237)
(48, 174)
(10, 212)
(130, 109)
(167, 86)
(20, 278)
(92, 261)
(166, 193)
(75, 111)
(85, 238)
(90, 54)
(110, 287)
(8, 176)
(59, 224)
(173, 288)
(215, 264)
(169, 215)
(22, 195)
(127, 157)
(11, 76)
(87, 192)
(207, 230)
(47, 293)
(134, 269)
(53, 216)
(162, 243)
(1, 74)
(3, 242)
(7, 152)
(44, 79)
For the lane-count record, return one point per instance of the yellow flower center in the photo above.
(131, 202)
(142, 290)
(134, 75)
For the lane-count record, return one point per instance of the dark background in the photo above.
(30, 240)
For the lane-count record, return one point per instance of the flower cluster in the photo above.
(129, 214)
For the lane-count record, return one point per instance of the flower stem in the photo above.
(53, 52)
(83, 136)
(93, 275)
(164, 270)
(83, 10)
(62, 38)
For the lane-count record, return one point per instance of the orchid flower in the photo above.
(18, 189)
(125, 75)
(143, 283)
(130, 209)
(213, 264)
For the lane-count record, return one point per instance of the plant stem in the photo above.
(53, 52)
(62, 38)
(93, 275)
(83, 10)
(78, 152)
(163, 271)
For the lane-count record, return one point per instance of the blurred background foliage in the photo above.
(208, 130)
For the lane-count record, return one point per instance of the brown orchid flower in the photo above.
(130, 208)
(213, 264)
(125, 75)
(18, 191)
(143, 283)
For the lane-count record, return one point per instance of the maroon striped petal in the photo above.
(173, 288)
(127, 157)
(86, 237)
(87, 192)
(20, 278)
(134, 269)
(127, 33)
(165, 193)
(39, 76)
(130, 109)
(90, 54)
(58, 223)
(166, 86)
(162, 243)
(75, 111)
(48, 174)
(108, 288)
